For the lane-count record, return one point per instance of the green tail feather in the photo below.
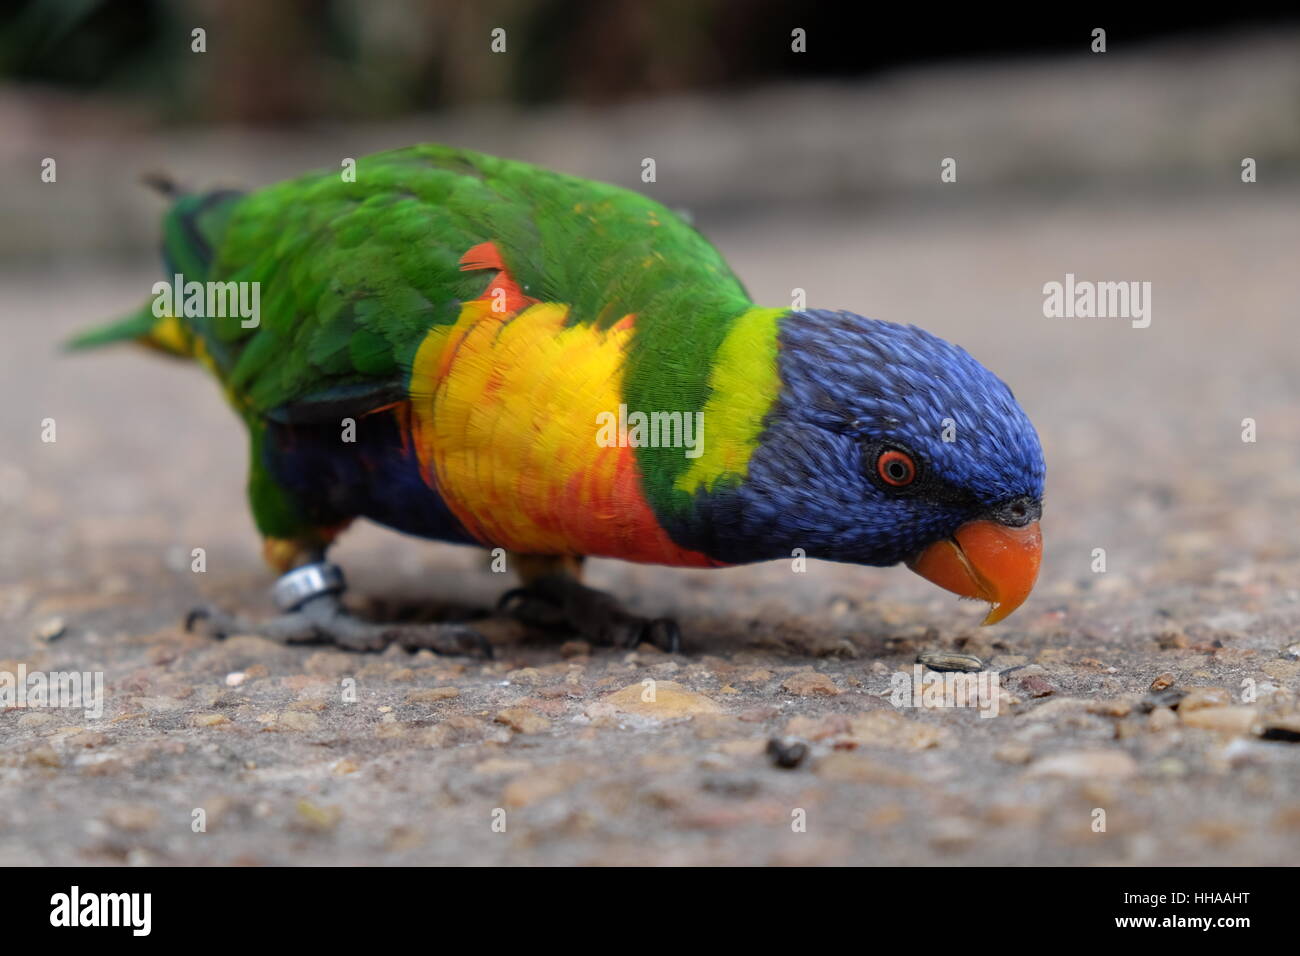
(137, 325)
(141, 326)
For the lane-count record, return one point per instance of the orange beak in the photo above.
(985, 560)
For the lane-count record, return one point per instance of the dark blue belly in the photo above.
(374, 477)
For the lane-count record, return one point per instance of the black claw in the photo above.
(526, 607)
(563, 604)
(632, 636)
(202, 613)
(664, 634)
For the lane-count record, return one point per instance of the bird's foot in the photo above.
(324, 620)
(557, 602)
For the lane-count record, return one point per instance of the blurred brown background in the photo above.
(737, 122)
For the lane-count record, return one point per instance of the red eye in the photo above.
(896, 468)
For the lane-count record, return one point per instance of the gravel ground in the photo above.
(549, 754)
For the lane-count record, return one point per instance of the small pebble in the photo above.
(1169, 697)
(1172, 640)
(317, 818)
(1227, 720)
(1014, 752)
(1086, 765)
(787, 752)
(431, 695)
(135, 818)
(522, 720)
(52, 630)
(810, 684)
(1198, 697)
(949, 661)
(1037, 687)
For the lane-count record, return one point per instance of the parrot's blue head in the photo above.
(888, 444)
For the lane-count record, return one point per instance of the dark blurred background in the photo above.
(298, 61)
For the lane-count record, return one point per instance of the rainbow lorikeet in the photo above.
(561, 368)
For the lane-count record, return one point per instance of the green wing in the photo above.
(354, 274)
